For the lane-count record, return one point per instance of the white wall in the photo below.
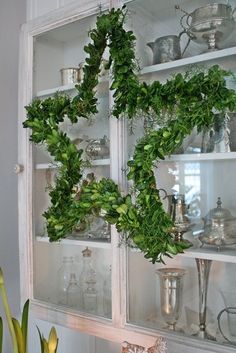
(36, 8)
(12, 14)
(69, 341)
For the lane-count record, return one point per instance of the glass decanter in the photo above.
(107, 294)
(63, 276)
(88, 282)
(73, 292)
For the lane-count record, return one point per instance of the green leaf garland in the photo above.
(185, 101)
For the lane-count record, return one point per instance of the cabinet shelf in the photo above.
(42, 166)
(172, 158)
(223, 255)
(94, 163)
(100, 162)
(50, 91)
(103, 85)
(102, 89)
(101, 244)
(201, 157)
(201, 58)
(207, 253)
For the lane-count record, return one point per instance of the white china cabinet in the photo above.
(54, 42)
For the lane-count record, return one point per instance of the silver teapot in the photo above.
(219, 227)
(98, 148)
(167, 48)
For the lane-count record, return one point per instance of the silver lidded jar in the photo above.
(98, 148)
(219, 227)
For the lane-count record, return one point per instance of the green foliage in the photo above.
(19, 330)
(185, 101)
(7, 310)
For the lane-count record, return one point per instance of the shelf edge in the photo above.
(77, 242)
(189, 60)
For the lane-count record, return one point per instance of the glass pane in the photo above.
(75, 272)
(65, 276)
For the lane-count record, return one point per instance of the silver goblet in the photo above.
(171, 292)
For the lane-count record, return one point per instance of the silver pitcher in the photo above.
(177, 209)
(167, 48)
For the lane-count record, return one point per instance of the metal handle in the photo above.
(18, 168)
(177, 7)
(165, 194)
(186, 46)
(186, 22)
(227, 310)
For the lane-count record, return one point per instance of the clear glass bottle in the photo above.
(73, 292)
(63, 277)
(90, 296)
(88, 282)
(107, 294)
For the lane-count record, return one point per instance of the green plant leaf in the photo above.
(52, 340)
(1, 334)
(45, 346)
(41, 340)
(7, 310)
(19, 336)
(24, 321)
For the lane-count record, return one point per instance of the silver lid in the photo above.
(218, 213)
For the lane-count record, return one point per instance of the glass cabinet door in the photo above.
(76, 271)
(177, 297)
(92, 279)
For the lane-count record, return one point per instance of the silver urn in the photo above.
(211, 24)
